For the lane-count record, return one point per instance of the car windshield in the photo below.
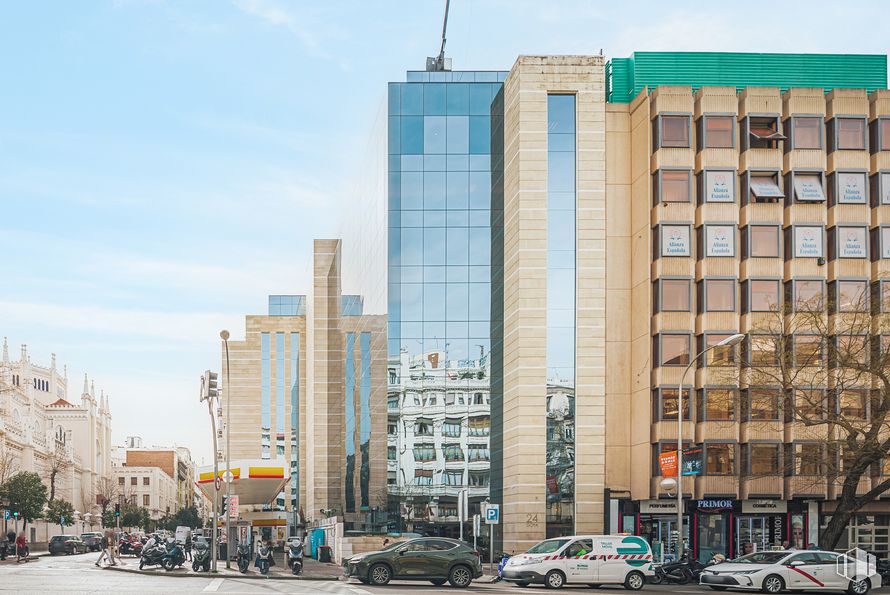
(548, 547)
(760, 558)
(393, 546)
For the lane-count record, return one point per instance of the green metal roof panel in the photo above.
(628, 76)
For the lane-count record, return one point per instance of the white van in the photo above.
(588, 559)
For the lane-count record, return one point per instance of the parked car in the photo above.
(777, 571)
(93, 541)
(433, 559)
(67, 544)
(587, 559)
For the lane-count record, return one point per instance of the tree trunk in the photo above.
(52, 485)
(840, 519)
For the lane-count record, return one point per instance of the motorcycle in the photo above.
(152, 556)
(130, 548)
(501, 565)
(243, 557)
(684, 571)
(264, 558)
(174, 556)
(295, 557)
(201, 556)
(883, 568)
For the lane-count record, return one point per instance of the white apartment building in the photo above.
(148, 487)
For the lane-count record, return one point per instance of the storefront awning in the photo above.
(256, 481)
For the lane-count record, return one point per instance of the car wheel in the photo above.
(438, 581)
(554, 579)
(772, 584)
(859, 587)
(634, 581)
(379, 574)
(461, 577)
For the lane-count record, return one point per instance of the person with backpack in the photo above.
(104, 544)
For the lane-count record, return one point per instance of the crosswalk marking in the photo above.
(214, 586)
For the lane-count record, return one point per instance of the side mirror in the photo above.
(402, 552)
(796, 563)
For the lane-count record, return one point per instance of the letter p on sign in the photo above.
(493, 514)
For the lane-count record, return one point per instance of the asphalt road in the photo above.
(77, 574)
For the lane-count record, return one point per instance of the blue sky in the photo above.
(165, 165)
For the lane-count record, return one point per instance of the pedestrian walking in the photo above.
(21, 548)
(103, 545)
(114, 551)
(188, 546)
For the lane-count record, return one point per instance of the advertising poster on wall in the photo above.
(720, 186)
(851, 188)
(675, 240)
(720, 240)
(692, 460)
(851, 242)
(808, 188)
(667, 462)
(808, 241)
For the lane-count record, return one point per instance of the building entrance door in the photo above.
(752, 534)
(661, 532)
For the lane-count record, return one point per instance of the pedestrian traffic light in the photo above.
(223, 509)
(117, 510)
(16, 515)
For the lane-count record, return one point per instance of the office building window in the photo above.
(762, 350)
(764, 241)
(810, 404)
(673, 295)
(718, 132)
(763, 404)
(423, 427)
(719, 458)
(134, 481)
(364, 428)
(673, 185)
(851, 296)
(146, 500)
(762, 458)
(453, 452)
(880, 134)
(424, 453)
(478, 452)
(673, 349)
(146, 481)
(717, 404)
(850, 351)
(665, 403)
(808, 350)
(720, 355)
(718, 295)
(450, 428)
(764, 295)
(806, 132)
(853, 404)
(673, 240)
(391, 453)
(848, 187)
(761, 187)
(808, 295)
(454, 478)
(761, 132)
(808, 458)
(265, 392)
(423, 477)
(808, 186)
(480, 426)
(847, 133)
(672, 131)
(479, 479)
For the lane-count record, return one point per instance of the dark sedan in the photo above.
(434, 559)
(67, 544)
(93, 541)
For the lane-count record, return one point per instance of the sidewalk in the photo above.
(32, 558)
(313, 570)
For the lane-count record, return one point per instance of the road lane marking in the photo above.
(358, 591)
(214, 586)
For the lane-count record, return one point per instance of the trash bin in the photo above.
(223, 551)
(324, 553)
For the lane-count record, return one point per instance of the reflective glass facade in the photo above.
(440, 287)
(266, 394)
(561, 256)
(365, 419)
(349, 403)
(295, 420)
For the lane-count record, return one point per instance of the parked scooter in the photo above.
(684, 571)
(201, 555)
(174, 556)
(501, 565)
(264, 558)
(243, 557)
(883, 568)
(152, 555)
(129, 548)
(295, 557)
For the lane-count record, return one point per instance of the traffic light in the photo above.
(16, 515)
(210, 385)
(224, 506)
(117, 510)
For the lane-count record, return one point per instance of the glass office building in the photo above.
(440, 287)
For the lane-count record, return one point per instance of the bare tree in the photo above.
(828, 364)
(107, 490)
(55, 466)
(8, 463)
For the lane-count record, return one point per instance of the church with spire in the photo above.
(65, 441)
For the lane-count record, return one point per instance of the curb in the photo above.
(250, 575)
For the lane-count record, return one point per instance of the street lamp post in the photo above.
(730, 341)
(208, 393)
(224, 335)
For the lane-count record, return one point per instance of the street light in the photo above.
(224, 335)
(209, 392)
(730, 341)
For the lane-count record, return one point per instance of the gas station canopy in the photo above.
(254, 481)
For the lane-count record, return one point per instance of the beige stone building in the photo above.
(308, 402)
(147, 486)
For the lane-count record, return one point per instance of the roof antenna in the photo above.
(440, 62)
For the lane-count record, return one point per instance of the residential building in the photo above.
(41, 431)
(175, 461)
(564, 249)
(147, 486)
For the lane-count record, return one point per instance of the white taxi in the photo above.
(587, 559)
(777, 571)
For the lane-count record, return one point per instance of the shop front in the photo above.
(760, 525)
(712, 520)
(656, 521)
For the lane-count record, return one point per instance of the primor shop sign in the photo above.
(714, 505)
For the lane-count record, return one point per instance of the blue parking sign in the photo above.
(493, 514)
(6, 515)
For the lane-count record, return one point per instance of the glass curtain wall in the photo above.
(365, 420)
(265, 394)
(279, 406)
(350, 422)
(561, 169)
(295, 422)
(439, 294)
